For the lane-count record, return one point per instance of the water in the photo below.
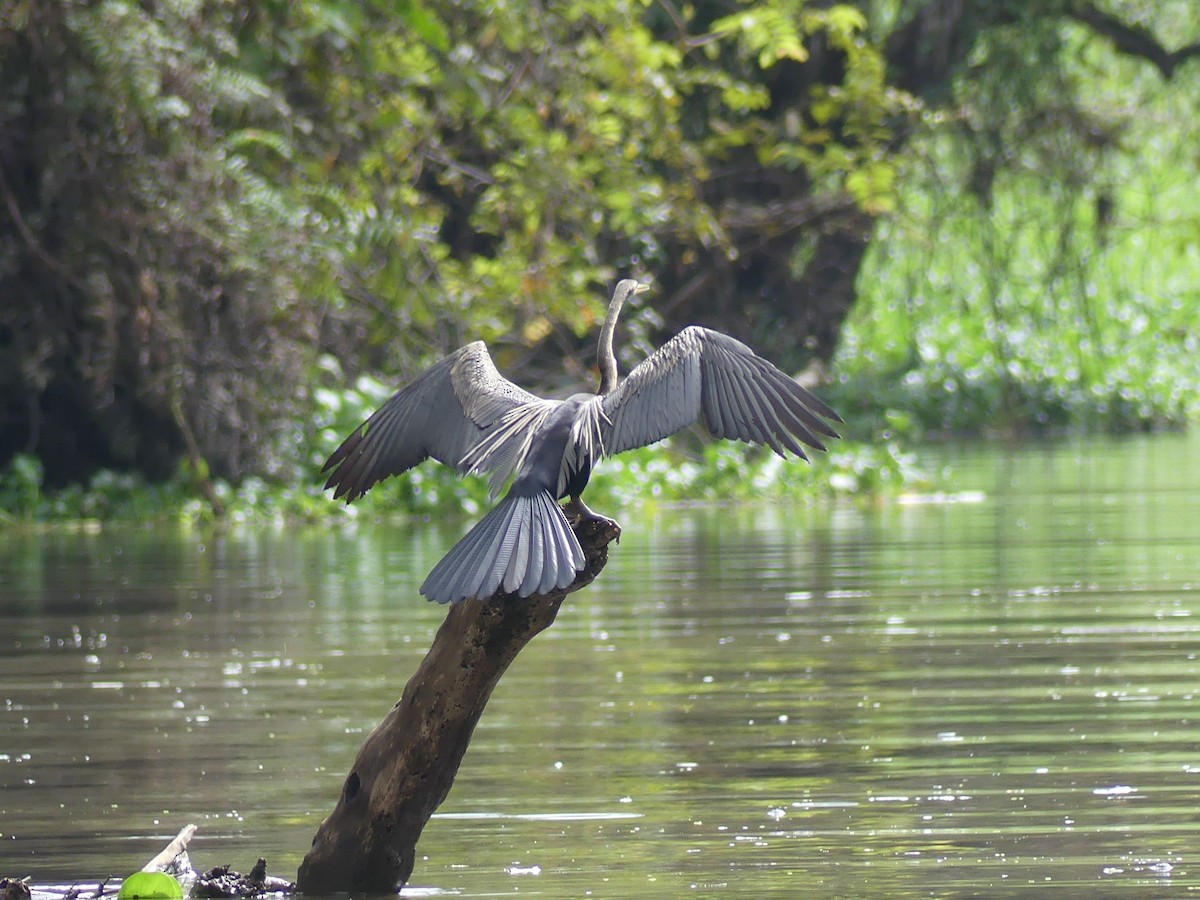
(975, 694)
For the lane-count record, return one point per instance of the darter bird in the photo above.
(464, 413)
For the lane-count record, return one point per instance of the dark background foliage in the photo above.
(202, 204)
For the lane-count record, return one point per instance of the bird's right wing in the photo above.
(443, 413)
(703, 375)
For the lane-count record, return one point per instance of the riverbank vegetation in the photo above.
(228, 232)
(682, 471)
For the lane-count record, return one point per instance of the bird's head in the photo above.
(627, 287)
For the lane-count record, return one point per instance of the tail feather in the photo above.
(515, 577)
(466, 570)
(449, 577)
(573, 557)
(537, 556)
(564, 551)
(549, 573)
(561, 541)
(524, 544)
(489, 566)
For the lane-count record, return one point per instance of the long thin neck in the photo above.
(604, 350)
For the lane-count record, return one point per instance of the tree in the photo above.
(198, 200)
(149, 279)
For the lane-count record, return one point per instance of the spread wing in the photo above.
(443, 413)
(703, 375)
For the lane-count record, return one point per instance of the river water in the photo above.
(977, 693)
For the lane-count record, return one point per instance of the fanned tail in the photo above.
(524, 545)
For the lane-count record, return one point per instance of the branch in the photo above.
(1133, 39)
(782, 216)
(27, 235)
(171, 852)
(407, 764)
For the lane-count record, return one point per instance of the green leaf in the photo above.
(150, 886)
(845, 19)
(873, 186)
(238, 141)
(426, 25)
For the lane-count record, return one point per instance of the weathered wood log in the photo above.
(406, 766)
(172, 851)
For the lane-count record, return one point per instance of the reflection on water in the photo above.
(980, 694)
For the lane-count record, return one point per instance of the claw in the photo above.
(579, 515)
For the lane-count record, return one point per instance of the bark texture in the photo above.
(406, 766)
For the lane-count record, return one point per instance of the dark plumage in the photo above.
(464, 413)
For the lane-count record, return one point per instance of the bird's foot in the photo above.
(600, 528)
(584, 519)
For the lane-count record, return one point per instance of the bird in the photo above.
(462, 412)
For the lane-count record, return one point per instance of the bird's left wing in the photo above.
(703, 375)
(443, 413)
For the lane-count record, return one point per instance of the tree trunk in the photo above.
(825, 293)
(406, 766)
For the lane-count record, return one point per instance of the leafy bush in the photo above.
(1041, 271)
(20, 487)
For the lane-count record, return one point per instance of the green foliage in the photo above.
(666, 474)
(240, 191)
(152, 280)
(681, 471)
(769, 31)
(1041, 271)
(229, 213)
(724, 471)
(506, 166)
(20, 487)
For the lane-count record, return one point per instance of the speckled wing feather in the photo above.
(442, 414)
(503, 446)
(703, 375)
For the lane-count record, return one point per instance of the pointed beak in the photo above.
(641, 288)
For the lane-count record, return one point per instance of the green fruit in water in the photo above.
(150, 886)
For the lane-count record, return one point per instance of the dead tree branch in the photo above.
(406, 766)
(1133, 39)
